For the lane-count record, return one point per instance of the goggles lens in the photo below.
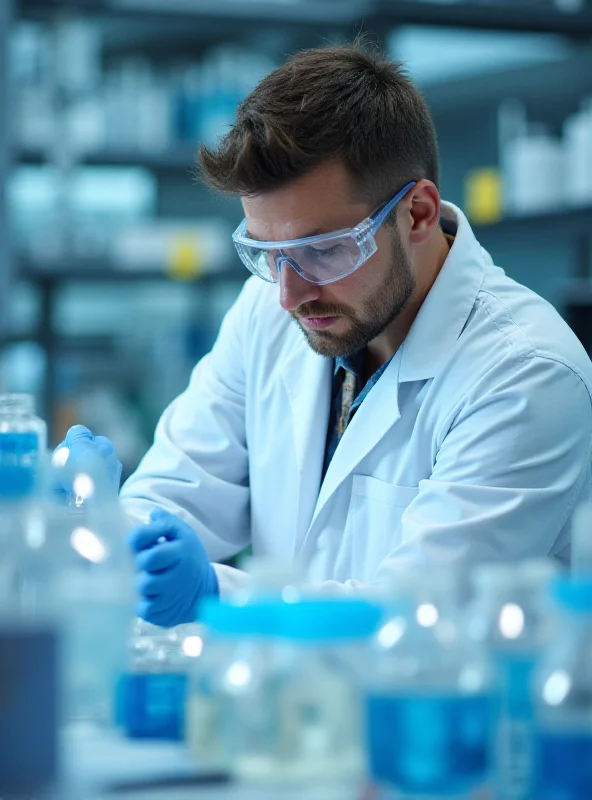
(318, 259)
(321, 262)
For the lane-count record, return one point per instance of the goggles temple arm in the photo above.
(379, 216)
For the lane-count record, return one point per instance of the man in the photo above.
(380, 395)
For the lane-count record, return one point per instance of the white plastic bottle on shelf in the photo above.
(578, 156)
(534, 172)
(510, 616)
(570, 6)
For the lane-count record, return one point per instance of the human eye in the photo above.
(320, 252)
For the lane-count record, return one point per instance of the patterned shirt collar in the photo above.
(356, 364)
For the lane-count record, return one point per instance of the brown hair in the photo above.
(344, 102)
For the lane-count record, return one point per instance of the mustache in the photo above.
(320, 310)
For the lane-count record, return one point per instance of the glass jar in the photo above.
(276, 692)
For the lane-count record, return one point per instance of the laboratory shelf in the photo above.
(577, 220)
(179, 158)
(512, 16)
(578, 293)
(374, 14)
(95, 272)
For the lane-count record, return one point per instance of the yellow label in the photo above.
(186, 258)
(483, 196)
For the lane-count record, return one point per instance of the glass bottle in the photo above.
(152, 692)
(429, 695)
(511, 617)
(563, 697)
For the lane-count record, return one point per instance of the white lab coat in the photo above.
(474, 444)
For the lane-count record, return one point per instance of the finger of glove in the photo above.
(105, 447)
(179, 529)
(161, 557)
(161, 513)
(146, 536)
(154, 612)
(107, 452)
(78, 433)
(149, 611)
(84, 453)
(151, 586)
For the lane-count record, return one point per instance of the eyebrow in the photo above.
(316, 232)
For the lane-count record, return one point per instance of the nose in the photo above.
(294, 290)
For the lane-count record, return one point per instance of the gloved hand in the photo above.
(175, 572)
(85, 448)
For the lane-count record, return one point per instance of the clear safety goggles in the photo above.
(320, 259)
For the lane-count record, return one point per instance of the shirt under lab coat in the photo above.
(474, 444)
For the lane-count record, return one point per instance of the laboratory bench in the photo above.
(149, 770)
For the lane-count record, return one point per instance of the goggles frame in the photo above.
(362, 235)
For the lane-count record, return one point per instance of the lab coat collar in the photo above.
(446, 309)
(307, 379)
(368, 426)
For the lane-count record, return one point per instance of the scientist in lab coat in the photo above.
(380, 396)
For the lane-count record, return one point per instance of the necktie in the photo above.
(348, 391)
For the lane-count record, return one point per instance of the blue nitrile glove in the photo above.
(175, 572)
(85, 448)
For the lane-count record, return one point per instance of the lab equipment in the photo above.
(247, 616)
(22, 446)
(80, 571)
(563, 697)
(430, 706)
(511, 617)
(152, 692)
(320, 259)
(23, 441)
(28, 647)
(274, 695)
(175, 570)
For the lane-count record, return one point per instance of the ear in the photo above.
(422, 212)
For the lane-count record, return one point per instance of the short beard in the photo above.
(378, 312)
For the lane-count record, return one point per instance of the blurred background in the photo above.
(116, 267)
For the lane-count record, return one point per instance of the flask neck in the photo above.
(17, 404)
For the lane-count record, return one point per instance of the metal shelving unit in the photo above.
(50, 282)
(181, 159)
(573, 222)
(197, 23)
(5, 166)
(313, 13)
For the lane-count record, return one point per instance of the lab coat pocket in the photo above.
(374, 522)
